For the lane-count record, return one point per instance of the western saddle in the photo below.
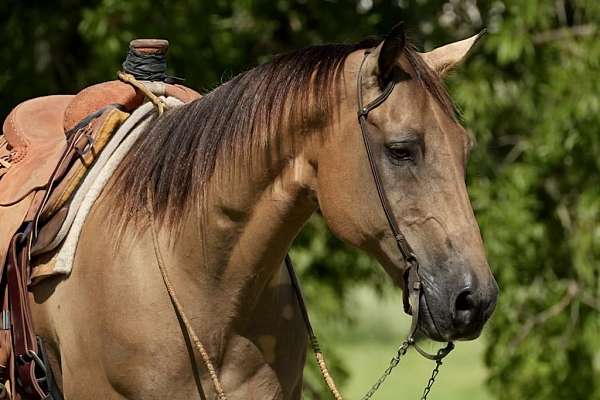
(48, 145)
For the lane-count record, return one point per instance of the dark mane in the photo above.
(171, 164)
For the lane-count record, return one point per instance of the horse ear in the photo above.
(445, 58)
(389, 53)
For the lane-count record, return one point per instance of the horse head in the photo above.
(420, 152)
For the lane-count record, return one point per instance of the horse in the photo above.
(216, 191)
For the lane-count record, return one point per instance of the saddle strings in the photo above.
(5, 160)
(157, 101)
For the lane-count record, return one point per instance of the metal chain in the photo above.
(393, 363)
(431, 381)
(402, 350)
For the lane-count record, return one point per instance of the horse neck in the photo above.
(251, 216)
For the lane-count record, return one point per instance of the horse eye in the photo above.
(402, 152)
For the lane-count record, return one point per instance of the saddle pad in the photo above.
(107, 126)
(91, 188)
(61, 228)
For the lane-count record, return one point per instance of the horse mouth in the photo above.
(426, 324)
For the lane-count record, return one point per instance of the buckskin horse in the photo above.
(215, 193)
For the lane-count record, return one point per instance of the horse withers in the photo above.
(226, 182)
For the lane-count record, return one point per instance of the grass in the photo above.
(368, 346)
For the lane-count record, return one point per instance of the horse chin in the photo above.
(427, 325)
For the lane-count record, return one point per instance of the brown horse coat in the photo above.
(234, 177)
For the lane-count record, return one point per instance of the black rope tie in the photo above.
(148, 67)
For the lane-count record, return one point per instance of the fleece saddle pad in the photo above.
(90, 189)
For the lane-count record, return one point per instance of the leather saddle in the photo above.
(36, 130)
(37, 134)
(48, 143)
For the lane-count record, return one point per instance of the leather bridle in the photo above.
(413, 286)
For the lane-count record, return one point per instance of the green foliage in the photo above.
(529, 94)
(535, 189)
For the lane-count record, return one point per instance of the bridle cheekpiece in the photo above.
(413, 286)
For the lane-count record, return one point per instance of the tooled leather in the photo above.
(19, 139)
(35, 134)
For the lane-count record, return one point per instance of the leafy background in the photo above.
(529, 94)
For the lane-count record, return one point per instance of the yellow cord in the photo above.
(314, 344)
(195, 339)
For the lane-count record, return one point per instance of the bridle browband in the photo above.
(413, 287)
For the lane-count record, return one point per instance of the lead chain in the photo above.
(393, 363)
(431, 381)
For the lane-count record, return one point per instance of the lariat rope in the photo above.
(179, 309)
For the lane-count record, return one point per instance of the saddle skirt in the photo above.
(35, 141)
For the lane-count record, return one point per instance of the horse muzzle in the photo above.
(458, 311)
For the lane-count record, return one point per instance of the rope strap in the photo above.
(314, 341)
(325, 373)
(188, 326)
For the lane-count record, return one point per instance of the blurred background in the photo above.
(530, 94)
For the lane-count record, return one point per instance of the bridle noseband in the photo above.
(413, 287)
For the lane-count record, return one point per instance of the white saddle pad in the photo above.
(89, 191)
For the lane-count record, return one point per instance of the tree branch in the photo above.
(541, 318)
(591, 302)
(564, 33)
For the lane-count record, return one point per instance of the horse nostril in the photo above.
(471, 308)
(465, 301)
(465, 309)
